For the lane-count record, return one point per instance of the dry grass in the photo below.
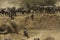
(40, 22)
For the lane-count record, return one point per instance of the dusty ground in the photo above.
(42, 34)
(42, 26)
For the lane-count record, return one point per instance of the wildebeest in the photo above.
(32, 16)
(56, 8)
(26, 33)
(13, 11)
(2, 11)
(59, 8)
(14, 26)
(24, 10)
(49, 9)
(5, 11)
(33, 8)
(40, 8)
(8, 11)
(30, 9)
(19, 9)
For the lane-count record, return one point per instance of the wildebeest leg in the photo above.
(6, 13)
(32, 16)
(2, 13)
(12, 17)
(22, 12)
(15, 14)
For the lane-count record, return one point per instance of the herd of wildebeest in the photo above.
(11, 12)
(29, 9)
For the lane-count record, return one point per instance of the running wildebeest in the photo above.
(49, 9)
(19, 10)
(56, 9)
(33, 9)
(26, 32)
(24, 10)
(38, 7)
(13, 11)
(53, 10)
(8, 11)
(14, 26)
(41, 8)
(59, 8)
(2, 11)
(32, 16)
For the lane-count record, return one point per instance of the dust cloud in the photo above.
(10, 3)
